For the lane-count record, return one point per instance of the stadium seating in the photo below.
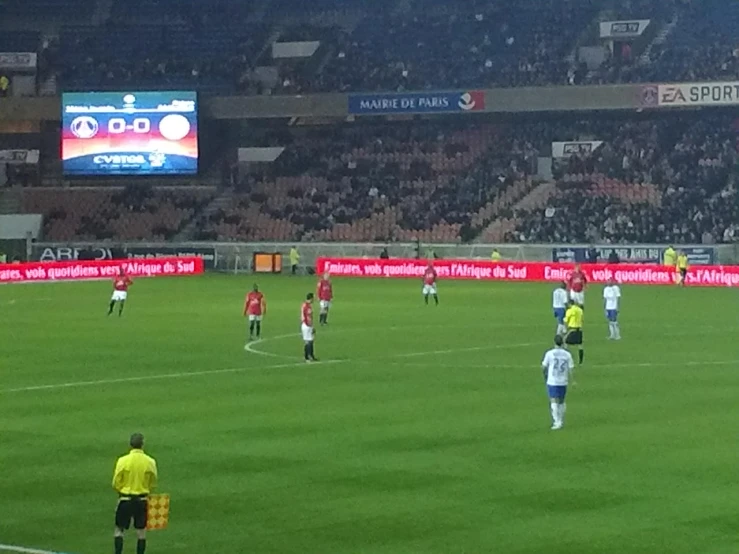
(379, 183)
(673, 184)
(132, 213)
(212, 57)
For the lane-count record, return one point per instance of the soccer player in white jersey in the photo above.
(559, 307)
(612, 300)
(558, 366)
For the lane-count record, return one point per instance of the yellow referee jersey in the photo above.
(135, 473)
(574, 317)
(682, 262)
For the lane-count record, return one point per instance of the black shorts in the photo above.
(131, 508)
(574, 337)
(683, 273)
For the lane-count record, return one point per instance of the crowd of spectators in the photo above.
(131, 213)
(424, 44)
(410, 178)
(673, 180)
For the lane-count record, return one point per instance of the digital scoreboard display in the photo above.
(130, 133)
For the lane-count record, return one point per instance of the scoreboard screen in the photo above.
(129, 133)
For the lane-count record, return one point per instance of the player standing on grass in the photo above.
(255, 307)
(558, 367)
(576, 283)
(682, 268)
(574, 320)
(306, 328)
(429, 284)
(325, 294)
(612, 300)
(120, 292)
(559, 306)
(134, 478)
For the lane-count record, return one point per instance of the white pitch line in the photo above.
(24, 550)
(459, 350)
(183, 374)
(161, 376)
(249, 347)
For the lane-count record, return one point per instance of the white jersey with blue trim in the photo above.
(559, 365)
(612, 294)
(559, 299)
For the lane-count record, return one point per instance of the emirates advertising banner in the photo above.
(36, 272)
(625, 274)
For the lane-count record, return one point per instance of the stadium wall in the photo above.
(237, 257)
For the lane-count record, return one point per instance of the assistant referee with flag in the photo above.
(134, 478)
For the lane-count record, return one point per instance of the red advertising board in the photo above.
(633, 274)
(98, 269)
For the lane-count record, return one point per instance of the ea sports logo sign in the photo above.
(84, 127)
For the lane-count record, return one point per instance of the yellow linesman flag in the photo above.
(157, 511)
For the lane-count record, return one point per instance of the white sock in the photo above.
(555, 413)
(562, 410)
(611, 331)
(616, 331)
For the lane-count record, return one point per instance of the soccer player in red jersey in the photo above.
(255, 307)
(120, 291)
(576, 284)
(306, 328)
(325, 293)
(429, 284)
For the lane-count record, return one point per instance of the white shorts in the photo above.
(429, 289)
(119, 295)
(325, 304)
(307, 332)
(255, 318)
(578, 297)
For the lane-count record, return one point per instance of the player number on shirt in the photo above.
(561, 366)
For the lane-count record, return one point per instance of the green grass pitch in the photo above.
(425, 432)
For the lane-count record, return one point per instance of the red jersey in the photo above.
(306, 314)
(429, 276)
(122, 283)
(255, 304)
(577, 281)
(325, 291)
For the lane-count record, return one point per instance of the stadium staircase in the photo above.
(662, 36)
(223, 201)
(536, 198)
(102, 12)
(11, 200)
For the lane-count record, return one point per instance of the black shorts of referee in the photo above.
(131, 508)
(574, 337)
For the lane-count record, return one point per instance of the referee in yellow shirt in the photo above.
(574, 317)
(134, 478)
(682, 267)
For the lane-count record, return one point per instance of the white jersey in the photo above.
(559, 365)
(612, 294)
(559, 299)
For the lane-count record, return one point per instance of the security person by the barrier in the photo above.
(134, 478)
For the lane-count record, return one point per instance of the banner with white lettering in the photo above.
(18, 60)
(626, 274)
(634, 254)
(623, 29)
(417, 102)
(698, 94)
(34, 272)
(93, 252)
(582, 147)
(19, 157)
